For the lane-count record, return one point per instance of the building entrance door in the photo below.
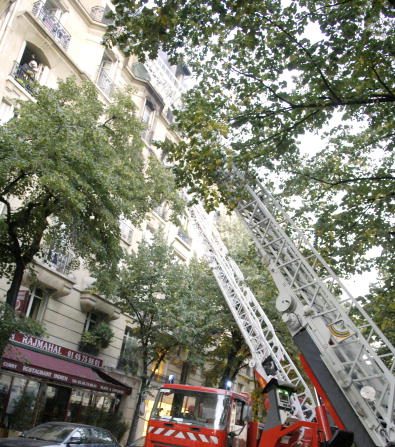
(54, 404)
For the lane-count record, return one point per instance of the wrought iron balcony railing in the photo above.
(52, 24)
(24, 75)
(58, 261)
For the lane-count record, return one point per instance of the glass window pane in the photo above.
(206, 409)
(16, 392)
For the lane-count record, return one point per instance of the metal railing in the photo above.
(58, 261)
(24, 76)
(52, 24)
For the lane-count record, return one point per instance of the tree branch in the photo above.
(10, 185)
(345, 181)
(250, 75)
(301, 47)
(382, 82)
(278, 134)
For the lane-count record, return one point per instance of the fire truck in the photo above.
(348, 360)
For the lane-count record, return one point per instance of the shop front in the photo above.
(41, 381)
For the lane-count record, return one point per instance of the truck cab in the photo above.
(194, 416)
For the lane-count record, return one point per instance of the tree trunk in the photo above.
(233, 361)
(186, 366)
(136, 414)
(12, 293)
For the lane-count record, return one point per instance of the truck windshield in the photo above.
(191, 407)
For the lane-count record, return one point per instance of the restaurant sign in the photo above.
(50, 348)
(44, 373)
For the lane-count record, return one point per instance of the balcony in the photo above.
(105, 83)
(52, 24)
(91, 301)
(50, 275)
(57, 261)
(24, 76)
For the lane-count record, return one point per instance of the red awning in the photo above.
(54, 369)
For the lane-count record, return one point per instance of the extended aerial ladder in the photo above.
(342, 346)
(269, 357)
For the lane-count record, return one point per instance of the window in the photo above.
(127, 338)
(6, 113)
(106, 74)
(82, 434)
(57, 260)
(5, 385)
(208, 410)
(31, 68)
(147, 118)
(92, 320)
(126, 231)
(83, 401)
(3, 209)
(128, 358)
(148, 113)
(36, 304)
(53, 8)
(239, 407)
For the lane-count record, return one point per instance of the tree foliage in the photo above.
(269, 73)
(71, 167)
(10, 323)
(170, 306)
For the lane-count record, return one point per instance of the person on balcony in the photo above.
(30, 69)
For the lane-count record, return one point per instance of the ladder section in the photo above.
(358, 355)
(269, 356)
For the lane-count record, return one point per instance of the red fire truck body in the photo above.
(194, 416)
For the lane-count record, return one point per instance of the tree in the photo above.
(169, 306)
(71, 167)
(11, 323)
(267, 74)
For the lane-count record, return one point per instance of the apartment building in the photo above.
(44, 41)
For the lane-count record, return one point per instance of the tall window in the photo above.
(6, 112)
(129, 359)
(106, 74)
(92, 320)
(147, 118)
(54, 8)
(126, 231)
(37, 302)
(148, 113)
